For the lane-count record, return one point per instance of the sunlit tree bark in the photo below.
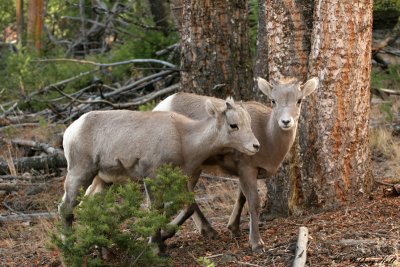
(35, 23)
(330, 161)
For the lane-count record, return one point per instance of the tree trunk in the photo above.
(19, 15)
(334, 135)
(287, 35)
(215, 48)
(35, 23)
(176, 7)
(161, 15)
(329, 161)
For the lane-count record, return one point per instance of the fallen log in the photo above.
(301, 248)
(53, 161)
(26, 177)
(35, 145)
(27, 217)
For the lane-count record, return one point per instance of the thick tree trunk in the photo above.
(334, 134)
(215, 48)
(287, 35)
(329, 162)
(35, 23)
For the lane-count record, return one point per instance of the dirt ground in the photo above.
(364, 233)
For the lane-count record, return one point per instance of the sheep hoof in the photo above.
(258, 247)
(209, 233)
(234, 229)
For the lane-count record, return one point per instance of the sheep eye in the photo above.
(273, 102)
(299, 101)
(234, 126)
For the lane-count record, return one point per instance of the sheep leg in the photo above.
(200, 220)
(75, 180)
(234, 219)
(97, 186)
(202, 224)
(248, 185)
(157, 238)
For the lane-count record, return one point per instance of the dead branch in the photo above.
(22, 125)
(130, 86)
(9, 110)
(27, 217)
(167, 50)
(389, 39)
(147, 98)
(26, 177)
(35, 145)
(136, 102)
(24, 164)
(385, 90)
(208, 176)
(105, 65)
(8, 187)
(248, 264)
(57, 84)
(301, 248)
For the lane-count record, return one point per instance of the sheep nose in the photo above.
(285, 122)
(257, 147)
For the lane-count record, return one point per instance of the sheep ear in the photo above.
(264, 86)
(310, 86)
(211, 109)
(230, 103)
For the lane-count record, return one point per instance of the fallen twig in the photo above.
(208, 176)
(104, 65)
(387, 91)
(248, 264)
(301, 248)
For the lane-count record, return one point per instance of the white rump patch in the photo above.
(72, 132)
(166, 104)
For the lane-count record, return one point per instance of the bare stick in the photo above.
(26, 177)
(145, 79)
(103, 65)
(248, 264)
(388, 91)
(208, 176)
(136, 102)
(27, 217)
(36, 145)
(301, 248)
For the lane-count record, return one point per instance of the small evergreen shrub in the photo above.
(115, 219)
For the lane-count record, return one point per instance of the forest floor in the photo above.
(364, 233)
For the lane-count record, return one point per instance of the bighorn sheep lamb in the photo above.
(275, 129)
(119, 145)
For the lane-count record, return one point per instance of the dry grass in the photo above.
(383, 142)
(384, 137)
(13, 238)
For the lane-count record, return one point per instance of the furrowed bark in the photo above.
(330, 162)
(288, 35)
(334, 135)
(215, 48)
